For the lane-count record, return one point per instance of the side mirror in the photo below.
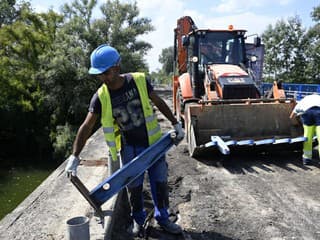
(185, 40)
(257, 41)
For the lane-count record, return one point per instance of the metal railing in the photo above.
(293, 90)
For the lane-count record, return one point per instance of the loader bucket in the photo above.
(246, 123)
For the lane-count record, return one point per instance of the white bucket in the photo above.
(78, 228)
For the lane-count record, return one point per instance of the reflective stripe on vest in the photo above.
(153, 127)
(111, 129)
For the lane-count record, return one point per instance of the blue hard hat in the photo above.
(103, 58)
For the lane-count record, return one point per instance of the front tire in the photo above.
(179, 107)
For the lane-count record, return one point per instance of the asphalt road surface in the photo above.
(249, 196)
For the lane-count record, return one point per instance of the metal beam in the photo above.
(125, 175)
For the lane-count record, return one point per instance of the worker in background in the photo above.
(308, 109)
(130, 126)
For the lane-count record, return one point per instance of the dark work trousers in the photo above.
(158, 175)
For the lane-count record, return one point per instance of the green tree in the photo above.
(165, 74)
(44, 61)
(285, 57)
(121, 27)
(21, 103)
(7, 12)
(315, 14)
(160, 77)
(166, 59)
(313, 48)
(64, 69)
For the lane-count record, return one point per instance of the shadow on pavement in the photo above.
(253, 162)
(207, 236)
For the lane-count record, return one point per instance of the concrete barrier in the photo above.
(43, 214)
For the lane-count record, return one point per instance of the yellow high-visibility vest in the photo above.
(110, 127)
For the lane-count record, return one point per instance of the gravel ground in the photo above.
(248, 196)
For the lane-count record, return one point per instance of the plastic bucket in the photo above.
(78, 228)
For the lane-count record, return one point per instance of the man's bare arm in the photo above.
(163, 107)
(84, 133)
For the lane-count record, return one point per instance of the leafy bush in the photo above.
(62, 141)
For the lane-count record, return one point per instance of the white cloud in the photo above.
(164, 15)
(161, 5)
(230, 6)
(44, 6)
(284, 2)
(249, 21)
(40, 8)
(238, 6)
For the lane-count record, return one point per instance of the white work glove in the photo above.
(179, 131)
(72, 165)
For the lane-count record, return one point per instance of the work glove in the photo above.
(179, 131)
(72, 165)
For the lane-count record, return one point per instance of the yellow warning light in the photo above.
(230, 27)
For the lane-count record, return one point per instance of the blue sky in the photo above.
(252, 15)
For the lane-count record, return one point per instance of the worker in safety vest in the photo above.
(308, 109)
(123, 105)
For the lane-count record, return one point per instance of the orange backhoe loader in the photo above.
(216, 96)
